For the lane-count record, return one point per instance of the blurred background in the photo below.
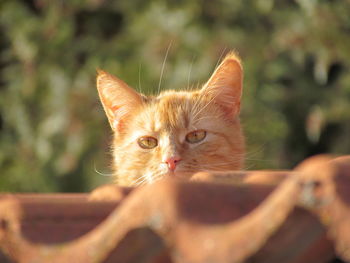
(54, 135)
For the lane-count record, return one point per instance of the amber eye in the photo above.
(196, 136)
(147, 142)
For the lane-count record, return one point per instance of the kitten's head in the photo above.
(177, 133)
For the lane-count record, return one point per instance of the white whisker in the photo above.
(259, 160)
(163, 66)
(158, 177)
(140, 182)
(149, 177)
(189, 73)
(222, 53)
(203, 108)
(139, 88)
(255, 152)
(100, 173)
(139, 179)
(248, 167)
(143, 178)
(198, 103)
(215, 164)
(205, 117)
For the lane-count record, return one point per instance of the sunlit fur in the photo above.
(169, 117)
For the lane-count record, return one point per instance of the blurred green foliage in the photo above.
(53, 132)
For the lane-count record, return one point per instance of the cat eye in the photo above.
(147, 142)
(196, 136)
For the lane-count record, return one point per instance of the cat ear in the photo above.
(225, 85)
(117, 98)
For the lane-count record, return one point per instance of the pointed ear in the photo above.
(225, 85)
(117, 98)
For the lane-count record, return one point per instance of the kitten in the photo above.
(176, 133)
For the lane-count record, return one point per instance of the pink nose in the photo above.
(172, 161)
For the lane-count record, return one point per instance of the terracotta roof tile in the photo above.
(298, 216)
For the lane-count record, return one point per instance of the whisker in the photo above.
(256, 151)
(100, 173)
(249, 167)
(158, 177)
(148, 178)
(215, 164)
(252, 155)
(260, 160)
(195, 106)
(206, 117)
(189, 73)
(216, 167)
(222, 53)
(139, 88)
(163, 66)
(141, 182)
(197, 103)
(206, 105)
(140, 179)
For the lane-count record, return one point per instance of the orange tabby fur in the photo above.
(168, 118)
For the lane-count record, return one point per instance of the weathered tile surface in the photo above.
(293, 216)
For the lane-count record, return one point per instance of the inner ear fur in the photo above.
(225, 84)
(117, 98)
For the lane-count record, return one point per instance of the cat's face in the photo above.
(176, 133)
